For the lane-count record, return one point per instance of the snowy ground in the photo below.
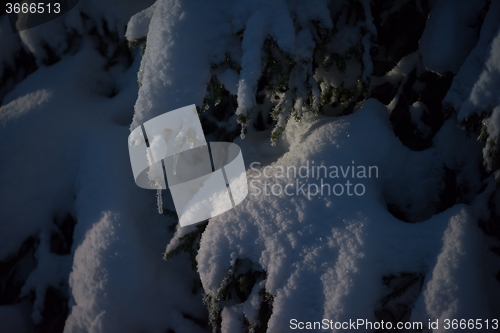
(417, 240)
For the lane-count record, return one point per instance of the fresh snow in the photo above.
(450, 30)
(63, 150)
(180, 26)
(473, 74)
(324, 256)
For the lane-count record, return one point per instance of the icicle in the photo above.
(242, 134)
(159, 201)
(176, 159)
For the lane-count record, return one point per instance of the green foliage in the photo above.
(477, 124)
(311, 101)
(173, 214)
(232, 65)
(235, 288)
(340, 62)
(483, 135)
(286, 75)
(328, 62)
(343, 94)
(473, 123)
(278, 66)
(214, 311)
(365, 86)
(265, 312)
(238, 284)
(331, 94)
(214, 92)
(492, 154)
(189, 243)
(242, 119)
(139, 42)
(276, 134)
(326, 95)
(275, 113)
(286, 79)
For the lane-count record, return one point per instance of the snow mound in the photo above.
(449, 29)
(325, 254)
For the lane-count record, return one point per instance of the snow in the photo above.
(229, 78)
(31, 102)
(399, 74)
(51, 271)
(14, 318)
(324, 255)
(474, 65)
(253, 40)
(231, 321)
(138, 25)
(278, 227)
(347, 37)
(402, 70)
(493, 130)
(175, 79)
(449, 29)
(181, 25)
(65, 166)
(456, 277)
(494, 123)
(113, 287)
(63, 148)
(472, 90)
(113, 13)
(58, 34)
(481, 98)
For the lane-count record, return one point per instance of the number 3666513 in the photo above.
(32, 8)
